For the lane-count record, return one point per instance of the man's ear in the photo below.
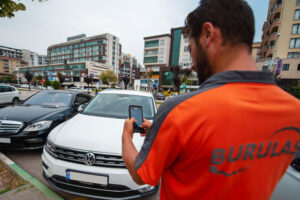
(207, 34)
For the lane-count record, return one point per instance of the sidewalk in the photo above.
(26, 186)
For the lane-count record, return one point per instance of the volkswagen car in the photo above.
(83, 156)
(27, 125)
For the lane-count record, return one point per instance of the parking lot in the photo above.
(31, 161)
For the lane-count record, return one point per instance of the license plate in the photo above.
(91, 178)
(5, 140)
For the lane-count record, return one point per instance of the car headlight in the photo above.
(50, 146)
(38, 126)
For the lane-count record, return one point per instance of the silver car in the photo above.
(289, 186)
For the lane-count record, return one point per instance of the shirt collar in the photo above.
(240, 77)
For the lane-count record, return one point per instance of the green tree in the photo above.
(47, 83)
(293, 90)
(28, 77)
(9, 7)
(108, 77)
(61, 78)
(55, 85)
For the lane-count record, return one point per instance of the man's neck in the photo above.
(234, 58)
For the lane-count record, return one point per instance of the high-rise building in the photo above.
(256, 50)
(280, 46)
(32, 58)
(128, 67)
(281, 31)
(8, 65)
(104, 48)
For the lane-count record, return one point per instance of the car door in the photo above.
(2, 95)
(5, 94)
(289, 186)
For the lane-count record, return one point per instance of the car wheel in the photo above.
(15, 101)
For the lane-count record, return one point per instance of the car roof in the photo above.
(129, 92)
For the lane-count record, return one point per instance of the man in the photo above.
(236, 135)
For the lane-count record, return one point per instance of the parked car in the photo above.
(26, 125)
(9, 95)
(288, 187)
(159, 96)
(83, 156)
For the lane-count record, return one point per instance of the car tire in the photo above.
(15, 101)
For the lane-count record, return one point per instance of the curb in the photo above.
(27, 177)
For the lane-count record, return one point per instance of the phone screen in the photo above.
(136, 113)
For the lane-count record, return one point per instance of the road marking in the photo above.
(21, 172)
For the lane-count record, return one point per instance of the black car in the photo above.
(159, 96)
(26, 125)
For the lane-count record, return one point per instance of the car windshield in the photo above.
(50, 99)
(116, 105)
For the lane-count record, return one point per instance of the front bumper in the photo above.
(120, 184)
(24, 141)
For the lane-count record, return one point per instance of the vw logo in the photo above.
(89, 158)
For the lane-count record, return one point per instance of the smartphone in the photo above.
(137, 113)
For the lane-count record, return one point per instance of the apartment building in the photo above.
(256, 50)
(74, 73)
(104, 48)
(32, 58)
(8, 65)
(280, 46)
(128, 68)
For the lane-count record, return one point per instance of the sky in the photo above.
(51, 22)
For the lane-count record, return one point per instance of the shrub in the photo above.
(56, 85)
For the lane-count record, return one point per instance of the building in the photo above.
(32, 58)
(281, 42)
(74, 72)
(128, 68)
(156, 57)
(281, 31)
(256, 50)
(8, 65)
(104, 48)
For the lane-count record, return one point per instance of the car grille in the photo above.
(77, 156)
(7, 126)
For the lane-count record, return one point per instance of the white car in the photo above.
(9, 95)
(83, 156)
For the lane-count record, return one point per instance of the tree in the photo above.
(108, 77)
(38, 79)
(88, 80)
(55, 85)
(28, 77)
(9, 7)
(126, 81)
(178, 80)
(61, 78)
(47, 83)
(147, 75)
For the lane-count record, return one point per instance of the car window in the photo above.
(116, 105)
(296, 161)
(5, 89)
(80, 99)
(50, 98)
(12, 89)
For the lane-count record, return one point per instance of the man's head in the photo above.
(216, 27)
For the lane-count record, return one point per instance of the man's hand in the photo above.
(128, 127)
(129, 151)
(146, 125)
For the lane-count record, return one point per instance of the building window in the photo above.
(161, 42)
(161, 51)
(161, 59)
(186, 48)
(296, 29)
(186, 40)
(265, 68)
(297, 15)
(295, 43)
(152, 43)
(298, 67)
(285, 67)
(298, 2)
(293, 55)
(150, 59)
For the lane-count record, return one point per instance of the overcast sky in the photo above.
(51, 22)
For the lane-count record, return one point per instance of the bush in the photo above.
(47, 83)
(56, 85)
(295, 91)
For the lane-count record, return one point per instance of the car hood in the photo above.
(30, 113)
(93, 133)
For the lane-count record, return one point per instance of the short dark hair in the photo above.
(233, 17)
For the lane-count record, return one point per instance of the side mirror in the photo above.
(81, 107)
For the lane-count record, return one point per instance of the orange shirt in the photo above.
(233, 138)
